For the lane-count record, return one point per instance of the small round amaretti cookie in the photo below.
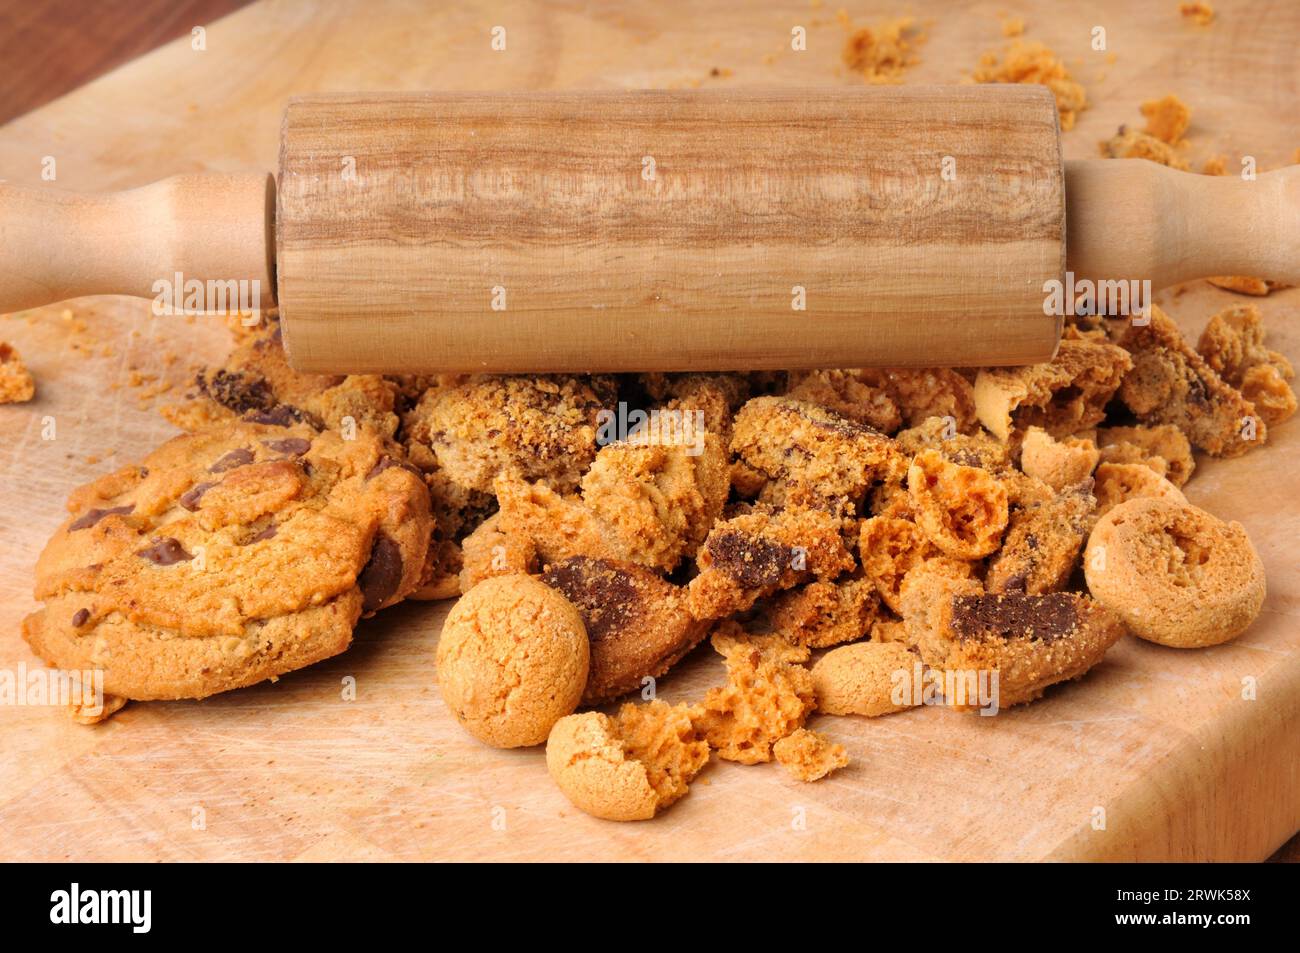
(1176, 574)
(512, 660)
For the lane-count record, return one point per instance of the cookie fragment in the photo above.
(767, 695)
(637, 623)
(1030, 641)
(16, 382)
(1232, 344)
(1024, 61)
(1118, 482)
(1063, 397)
(1043, 542)
(629, 767)
(1171, 383)
(961, 510)
(809, 756)
(822, 614)
(757, 553)
(1162, 448)
(1058, 463)
(541, 428)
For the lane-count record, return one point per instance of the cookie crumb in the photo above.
(17, 386)
(883, 53)
(809, 756)
(1032, 62)
(1198, 11)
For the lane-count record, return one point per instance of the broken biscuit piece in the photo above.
(810, 455)
(822, 614)
(767, 696)
(1167, 118)
(539, 428)
(1063, 397)
(637, 622)
(1129, 143)
(17, 385)
(1117, 482)
(1030, 641)
(629, 767)
(757, 553)
(853, 394)
(1163, 448)
(1043, 542)
(961, 510)
(1171, 384)
(1031, 62)
(1058, 463)
(488, 552)
(1245, 285)
(1233, 345)
(808, 756)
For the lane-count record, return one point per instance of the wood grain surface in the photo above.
(1161, 740)
(688, 263)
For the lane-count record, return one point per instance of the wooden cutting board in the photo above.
(1162, 741)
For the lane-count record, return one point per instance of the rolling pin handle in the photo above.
(213, 229)
(1133, 219)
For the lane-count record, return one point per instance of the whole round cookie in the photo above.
(227, 556)
(1176, 574)
(512, 660)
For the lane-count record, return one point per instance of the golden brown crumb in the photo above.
(881, 54)
(1031, 62)
(1131, 144)
(808, 756)
(1216, 165)
(16, 383)
(1167, 118)
(1013, 26)
(1198, 11)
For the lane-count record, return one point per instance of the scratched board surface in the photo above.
(1161, 741)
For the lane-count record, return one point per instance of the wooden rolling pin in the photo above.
(658, 230)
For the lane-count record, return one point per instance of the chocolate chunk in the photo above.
(80, 618)
(387, 463)
(753, 562)
(190, 498)
(1015, 615)
(235, 458)
(291, 446)
(382, 573)
(603, 593)
(91, 517)
(281, 415)
(236, 392)
(164, 551)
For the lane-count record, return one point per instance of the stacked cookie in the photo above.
(835, 533)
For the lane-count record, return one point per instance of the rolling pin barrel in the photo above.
(659, 230)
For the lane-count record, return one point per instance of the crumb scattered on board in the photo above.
(1199, 12)
(16, 382)
(1028, 61)
(884, 52)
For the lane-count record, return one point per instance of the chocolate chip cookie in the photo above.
(227, 556)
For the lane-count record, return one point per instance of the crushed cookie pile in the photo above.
(882, 53)
(850, 542)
